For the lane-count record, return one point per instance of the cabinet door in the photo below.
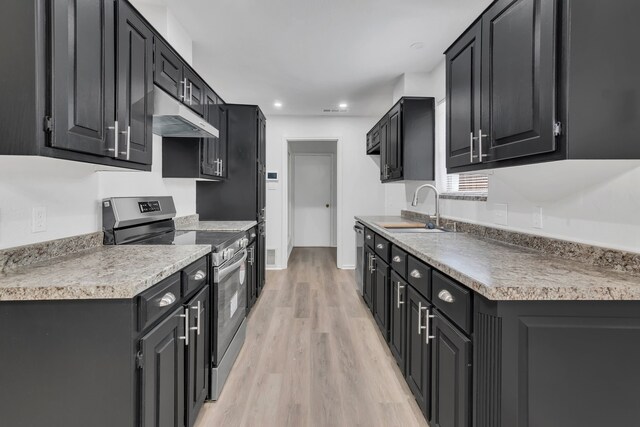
(418, 364)
(367, 284)
(135, 86)
(394, 143)
(210, 161)
(463, 70)
(384, 149)
(163, 373)
(518, 78)
(195, 91)
(252, 279)
(197, 351)
(381, 300)
(451, 368)
(167, 71)
(83, 76)
(398, 320)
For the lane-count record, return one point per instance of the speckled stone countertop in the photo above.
(104, 272)
(501, 271)
(217, 225)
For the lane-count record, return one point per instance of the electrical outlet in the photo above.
(500, 214)
(39, 219)
(537, 217)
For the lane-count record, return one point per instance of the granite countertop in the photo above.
(104, 272)
(217, 225)
(501, 271)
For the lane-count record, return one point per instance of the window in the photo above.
(463, 184)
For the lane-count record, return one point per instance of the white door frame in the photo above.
(285, 198)
(333, 196)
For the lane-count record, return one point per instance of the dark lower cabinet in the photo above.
(381, 299)
(163, 373)
(451, 375)
(398, 320)
(369, 276)
(418, 358)
(198, 353)
(134, 86)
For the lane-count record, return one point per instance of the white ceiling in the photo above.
(314, 54)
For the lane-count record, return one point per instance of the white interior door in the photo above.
(312, 200)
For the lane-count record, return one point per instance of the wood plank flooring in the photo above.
(313, 357)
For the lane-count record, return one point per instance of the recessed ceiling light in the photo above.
(343, 105)
(417, 45)
(277, 104)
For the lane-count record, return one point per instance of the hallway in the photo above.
(313, 357)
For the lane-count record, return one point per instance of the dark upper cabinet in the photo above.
(518, 79)
(463, 70)
(163, 377)
(83, 76)
(195, 91)
(407, 140)
(540, 100)
(451, 375)
(418, 357)
(369, 276)
(168, 69)
(381, 298)
(398, 319)
(373, 140)
(134, 86)
(198, 363)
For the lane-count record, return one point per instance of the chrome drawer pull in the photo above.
(167, 299)
(397, 258)
(400, 288)
(199, 275)
(380, 246)
(416, 274)
(198, 309)
(427, 336)
(368, 236)
(446, 296)
(186, 327)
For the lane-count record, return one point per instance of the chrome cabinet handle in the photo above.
(373, 263)
(416, 274)
(186, 327)
(199, 275)
(380, 246)
(128, 133)
(480, 136)
(183, 96)
(446, 296)
(397, 258)
(471, 139)
(190, 93)
(115, 138)
(428, 327)
(369, 237)
(420, 308)
(400, 288)
(198, 309)
(168, 299)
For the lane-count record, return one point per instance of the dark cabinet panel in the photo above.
(163, 373)
(398, 320)
(214, 150)
(83, 76)
(463, 69)
(394, 143)
(418, 357)
(252, 279)
(518, 78)
(198, 361)
(167, 73)
(195, 91)
(451, 376)
(381, 298)
(261, 251)
(135, 86)
(369, 277)
(384, 148)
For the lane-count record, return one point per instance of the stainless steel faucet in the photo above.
(414, 202)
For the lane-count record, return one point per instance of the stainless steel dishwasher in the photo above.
(359, 229)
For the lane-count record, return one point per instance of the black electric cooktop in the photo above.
(217, 239)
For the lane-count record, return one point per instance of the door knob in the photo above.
(327, 205)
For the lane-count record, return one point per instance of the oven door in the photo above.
(230, 287)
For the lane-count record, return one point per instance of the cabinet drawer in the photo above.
(419, 276)
(399, 261)
(453, 299)
(369, 237)
(194, 276)
(383, 248)
(158, 300)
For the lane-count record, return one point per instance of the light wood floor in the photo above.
(313, 357)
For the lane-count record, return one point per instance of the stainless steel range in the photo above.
(149, 221)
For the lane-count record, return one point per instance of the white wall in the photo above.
(359, 188)
(71, 191)
(594, 202)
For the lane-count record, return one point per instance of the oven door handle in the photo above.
(226, 270)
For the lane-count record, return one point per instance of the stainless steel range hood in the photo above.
(172, 118)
